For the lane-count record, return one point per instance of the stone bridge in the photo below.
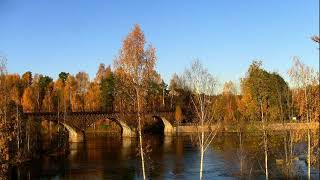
(76, 123)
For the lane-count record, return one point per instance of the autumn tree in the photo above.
(29, 100)
(4, 133)
(59, 98)
(226, 107)
(93, 98)
(269, 88)
(135, 67)
(48, 100)
(101, 73)
(70, 93)
(178, 114)
(38, 86)
(105, 79)
(155, 93)
(180, 95)
(15, 88)
(316, 39)
(304, 79)
(82, 80)
(173, 86)
(44, 82)
(63, 76)
(27, 78)
(260, 100)
(122, 99)
(7, 120)
(107, 89)
(264, 98)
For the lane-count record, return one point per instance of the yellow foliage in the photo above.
(178, 114)
(93, 102)
(28, 100)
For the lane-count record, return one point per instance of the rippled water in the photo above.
(106, 156)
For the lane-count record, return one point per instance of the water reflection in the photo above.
(127, 146)
(106, 156)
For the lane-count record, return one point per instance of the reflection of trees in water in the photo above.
(4, 171)
(98, 156)
(113, 157)
(127, 145)
(53, 137)
(297, 160)
(159, 150)
(104, 125)
(315, 153)
(179, 164)
(33, 138)
(284, 150)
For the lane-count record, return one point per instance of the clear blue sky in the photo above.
(48, 37)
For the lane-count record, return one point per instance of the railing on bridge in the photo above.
(94, 112)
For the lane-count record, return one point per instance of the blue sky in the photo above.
(48, 37)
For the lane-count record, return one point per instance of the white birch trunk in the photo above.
(140, 136)
(264, 142)
(18, 124)
(241, 155)
(309, 155)
(201, 153)
(163, 97)
(265, 154)
(309, 138)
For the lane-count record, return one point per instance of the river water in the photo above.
(108, 156)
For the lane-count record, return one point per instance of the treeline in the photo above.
(109, 91)
(76, 93)
(260, 92)
(113, 90)
(267, 92)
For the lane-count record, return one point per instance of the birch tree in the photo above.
(316, 39)
(135, 67)
(302, 77)
(202, 85)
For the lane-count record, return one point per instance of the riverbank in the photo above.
(248, 128)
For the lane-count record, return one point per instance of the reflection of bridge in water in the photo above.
(76, 123)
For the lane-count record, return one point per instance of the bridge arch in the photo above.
(76, 123)
(74, 134)
(126, 131)
(168, 129)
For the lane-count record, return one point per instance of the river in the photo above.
(108, 156)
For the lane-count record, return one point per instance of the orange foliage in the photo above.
(28, 100)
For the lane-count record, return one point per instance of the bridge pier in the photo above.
(126, 131)
(74, 135)
(168, 129)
